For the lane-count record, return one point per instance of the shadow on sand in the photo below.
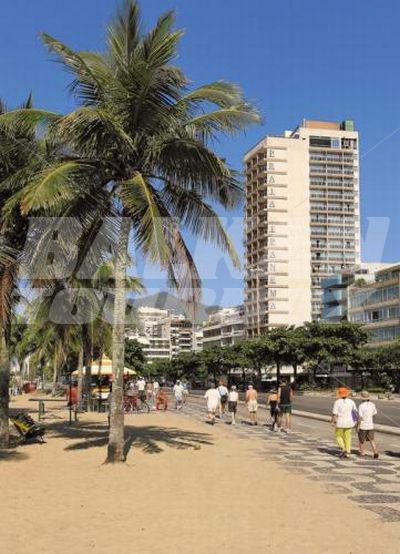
(150, 439)
(12, 456)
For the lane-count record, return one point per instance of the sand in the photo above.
(186, 486)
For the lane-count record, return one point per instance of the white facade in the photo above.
(302, 221)
(163, 335)
(224, 327)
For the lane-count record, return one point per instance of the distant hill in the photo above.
(166, 301)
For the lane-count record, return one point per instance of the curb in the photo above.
(377, 427)
(320, 417)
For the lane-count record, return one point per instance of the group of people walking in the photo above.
(345, 414)
(219, 398)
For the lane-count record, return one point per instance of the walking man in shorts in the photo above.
(365, 424)
(223, 394)
(285, 395)
(252, 404)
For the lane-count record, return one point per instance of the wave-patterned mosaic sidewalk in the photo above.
(372, 484)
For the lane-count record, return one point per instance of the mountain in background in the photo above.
(165, 301)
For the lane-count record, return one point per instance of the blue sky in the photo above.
(322, 60)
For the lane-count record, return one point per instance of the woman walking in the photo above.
(273, 409)
(344, 417)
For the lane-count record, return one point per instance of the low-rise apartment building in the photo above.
(334, 287)
(376, 305)
(224, 327)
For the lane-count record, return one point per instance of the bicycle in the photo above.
(134, 404)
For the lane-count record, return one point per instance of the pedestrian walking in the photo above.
(149, 391)
(344, 417)
(185, 386)
(273, 409)
(223, 395)
(141, 388)
(365, 425)
(233, 398)
(285, 396)
(213, 398)
(178, 393)
(252, 404)
(156, 390)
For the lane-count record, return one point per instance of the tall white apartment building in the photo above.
(302, 220)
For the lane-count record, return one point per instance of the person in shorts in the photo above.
(273, 409)
(233, 398)
(213, 399)
(285, 395)
(178, 393)
(223, 394)
(141, 388)
(252, 404)
(365, 424)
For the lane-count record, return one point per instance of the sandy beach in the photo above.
(185, 485)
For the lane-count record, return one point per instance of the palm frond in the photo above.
(160, 44)
(28, 117)
(91, 131)
(229, 121)
(220, 93)
(184, 160)
(200, 219)
(88, 68)
(141, 203)
(124, 33)
(53, 185)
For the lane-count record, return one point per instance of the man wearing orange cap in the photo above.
(344, 417)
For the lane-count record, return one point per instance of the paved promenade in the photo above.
(310, 450)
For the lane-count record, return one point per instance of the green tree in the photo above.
(134, 355)
(330, 344)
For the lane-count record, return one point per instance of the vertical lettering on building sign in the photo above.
(272, 293)
(271, 204)
(271, 267)
(272, 280)
(271, 229)
(271, 241)
(271, 153)
(272, 254)
(271, 180)
(271, 191)
(271, 166)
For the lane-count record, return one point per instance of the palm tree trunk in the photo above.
(295, 373)
(55, 373)
(115, 451)
(278, 371)
(80, 376)
(87, 362)
(4, 391)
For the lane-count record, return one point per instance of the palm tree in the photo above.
(145, 140)
(21, 154)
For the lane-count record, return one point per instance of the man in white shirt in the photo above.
(141, 386)
(344, 417)
(178, 392)
(365, 426)
(213, 400)
(233, 398)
